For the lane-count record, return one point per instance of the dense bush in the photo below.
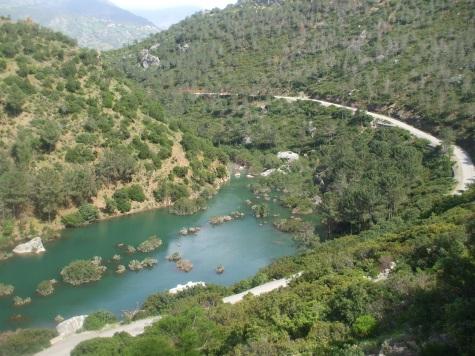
(25, 342)
(98, 320)
(80, 154)
(81, 272)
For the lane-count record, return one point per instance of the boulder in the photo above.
(147, 60)
(181, 287)
(288, 155)
(71, 326)
(34, 246)
(268, 172)
(184, 265)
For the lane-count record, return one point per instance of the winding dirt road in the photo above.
(464, 174)
(63, 347)
(464, 170)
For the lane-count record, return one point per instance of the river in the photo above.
(241, 246)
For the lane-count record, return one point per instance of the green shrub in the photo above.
(111, 206)
(185, 206)
(122, 200)
(73, 85)
(86, 214)
(73, 220)
(98, 320)
(136, 193)
(180, 172)
(102, 346)
(25, 342)
(81, 272)
(172, 191)
(80, 154)
(364, 325)
(89, 213)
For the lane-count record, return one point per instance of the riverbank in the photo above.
(62, 346)
(242, 246)
(56, 227)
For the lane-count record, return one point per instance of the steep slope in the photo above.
(404, 291)
(93, 23)
(75, 134)
(410, 60)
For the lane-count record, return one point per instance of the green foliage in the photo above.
(86, 214)
(81, 272)
(364, 325)
(186, 206)
(172, 191)
(116, 164)
(98, 320)
(80, 154)
(122, 200)
(135, 192)
(89, 213)
(25, 342)
(180, 172)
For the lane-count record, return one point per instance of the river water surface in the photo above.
(241, 246)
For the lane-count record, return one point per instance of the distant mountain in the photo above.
(164, 18)
(93, 23)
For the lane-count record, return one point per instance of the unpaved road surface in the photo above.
(63, 347)
(464, 170)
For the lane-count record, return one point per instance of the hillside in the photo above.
(76, 135)
(403, 291)
(93, 23)
(410, 60)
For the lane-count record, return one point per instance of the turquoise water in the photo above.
(241, 246)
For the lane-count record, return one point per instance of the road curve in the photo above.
(463, 168)
(63, 347)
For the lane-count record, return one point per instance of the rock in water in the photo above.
(33, 246)
(70, 326)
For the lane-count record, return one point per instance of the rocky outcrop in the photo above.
(147, 60)
(220, 269)
(174, 257)
(71, 326)
(19, 301)
(181, 287)
(34, 246)
(120, 269)
(288, 155)
(189, 231)
(218, 220)
(184, 265)
(150, 245)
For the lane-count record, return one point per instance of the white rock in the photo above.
(147, 60)
(288, 155)
(33, 246)
(71, 326)
(181, 287)
(268, 172)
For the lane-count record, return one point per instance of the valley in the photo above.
(317, 154)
